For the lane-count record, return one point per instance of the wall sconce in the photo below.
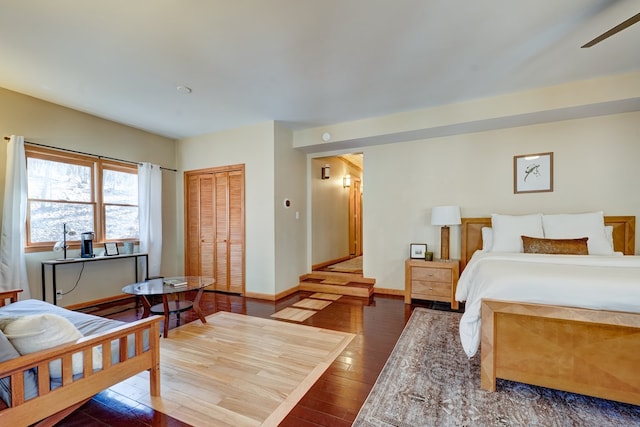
(346, 181)
(445, 216)
(325, 171)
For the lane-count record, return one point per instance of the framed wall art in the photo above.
(417, 250)
(533, 173)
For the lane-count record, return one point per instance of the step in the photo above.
(337, 283)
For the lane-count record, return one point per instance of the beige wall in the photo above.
(50, 124)
(275, 239)
(290, 223)
(252, 146)
(409, 169)
(463, 154)
(595, 169)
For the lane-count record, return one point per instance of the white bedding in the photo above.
(597, 282)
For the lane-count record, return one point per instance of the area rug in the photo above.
(237, 370)
(353, 265)
(429, 381)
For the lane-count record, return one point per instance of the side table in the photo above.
(431, 280)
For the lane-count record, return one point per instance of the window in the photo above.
(88, 194)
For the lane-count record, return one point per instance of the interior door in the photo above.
(214, 229)
(355, 218)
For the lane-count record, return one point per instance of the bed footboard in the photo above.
(591, 352)
(73, 392)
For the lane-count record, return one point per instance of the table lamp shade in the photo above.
(445, 216)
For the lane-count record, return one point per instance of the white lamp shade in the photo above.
(445, 215)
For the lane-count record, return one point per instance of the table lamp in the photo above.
(445, 216)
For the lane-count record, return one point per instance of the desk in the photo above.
(55, 262)
(158, 287)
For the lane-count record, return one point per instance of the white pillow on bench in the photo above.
(36, 332)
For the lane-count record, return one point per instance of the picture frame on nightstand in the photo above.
(417, 250)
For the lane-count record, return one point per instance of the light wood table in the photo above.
(431, 280)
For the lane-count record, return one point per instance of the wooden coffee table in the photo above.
(168, 306)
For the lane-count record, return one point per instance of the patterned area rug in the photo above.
(429, 381)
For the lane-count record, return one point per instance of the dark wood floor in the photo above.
(334, 400)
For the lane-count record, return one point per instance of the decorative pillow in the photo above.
(573, 226)
(508, 229)
(33, 333)
(533, 245)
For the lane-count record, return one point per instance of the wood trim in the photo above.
(330, 262)
(592, 352)
(624, 234)
(389, 291)
(97, 302)
(269, 297)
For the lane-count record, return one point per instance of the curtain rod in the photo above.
(88, 154)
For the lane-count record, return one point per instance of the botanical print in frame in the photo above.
(533, 173)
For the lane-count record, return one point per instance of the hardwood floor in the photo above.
(334, 400)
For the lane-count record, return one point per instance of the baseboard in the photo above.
(97, 302)
(270, 297)
(388, 291)
(331, 262)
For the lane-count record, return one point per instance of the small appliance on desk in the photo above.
(86, 244)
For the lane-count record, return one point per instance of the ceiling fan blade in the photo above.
(629, 22)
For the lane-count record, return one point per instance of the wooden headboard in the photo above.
(624, 235)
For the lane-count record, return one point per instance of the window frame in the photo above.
(97, 165)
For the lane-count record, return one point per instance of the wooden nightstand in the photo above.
(431, 280)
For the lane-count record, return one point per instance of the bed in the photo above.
(557, 345)
(35, 395)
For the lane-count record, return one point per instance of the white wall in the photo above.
(595, 169)
(45, 123)
(252, 146)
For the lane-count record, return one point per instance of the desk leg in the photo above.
(196, 305)
(44, 286)
(165, 303)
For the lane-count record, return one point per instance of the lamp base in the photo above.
(444, 243)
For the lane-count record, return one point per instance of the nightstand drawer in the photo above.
(424, 289)
(431, 274)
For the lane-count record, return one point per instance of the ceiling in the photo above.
(306, 63)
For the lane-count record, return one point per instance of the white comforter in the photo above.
(598, 282)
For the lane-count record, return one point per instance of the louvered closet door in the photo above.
(235, 247)
(222, 231)
(200, 226)
(215, 227)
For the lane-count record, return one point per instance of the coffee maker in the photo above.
(86, 244)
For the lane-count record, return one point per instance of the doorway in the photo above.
(337, 211)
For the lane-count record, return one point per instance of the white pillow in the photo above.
(574, 226)
(36, 332)
(487, 239)
(509, 229)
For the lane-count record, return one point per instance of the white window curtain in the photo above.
(150, 207)
(13, 265)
